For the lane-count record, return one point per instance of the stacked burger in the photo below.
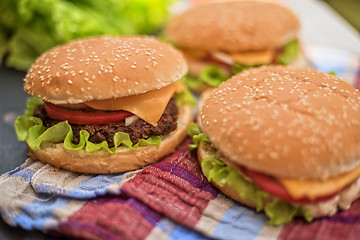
(284, 140)
(105, 104)
(223, 38)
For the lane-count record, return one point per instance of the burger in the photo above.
(284, 140)
(220, 39)
(105, 104)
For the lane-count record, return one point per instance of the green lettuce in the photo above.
(290, 51)
(185, 97)
(279, 211)
(29, 27)
(194, 131)
(211, 76)
(31, 130)
(239, 67)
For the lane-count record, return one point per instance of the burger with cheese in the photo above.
(283, 140)
(105, 104)
(223, 38)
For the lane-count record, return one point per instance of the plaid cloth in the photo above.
(170, 199)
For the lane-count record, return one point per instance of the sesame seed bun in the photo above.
(235, 26)
(286, 122)
(124, 159)
(103, 68)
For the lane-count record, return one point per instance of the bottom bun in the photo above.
(205, 151)
(124, 159)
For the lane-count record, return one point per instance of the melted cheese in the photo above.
(148, 106)
(246, 58)
(314, 188)
(254, 58)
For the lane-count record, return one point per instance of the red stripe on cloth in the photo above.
(344, 225)
(111, 218)
(174, 187)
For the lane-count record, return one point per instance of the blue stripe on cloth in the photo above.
(183, 233)
(239, 222)
(34, 215)
(25, 174)
(95, 186)
(14, 170)
(175, 231)
(344, 219)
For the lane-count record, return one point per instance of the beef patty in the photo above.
(105, 132)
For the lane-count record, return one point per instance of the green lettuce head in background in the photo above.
(279, 211)
(30, 27)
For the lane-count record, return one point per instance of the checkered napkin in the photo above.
(168, 200)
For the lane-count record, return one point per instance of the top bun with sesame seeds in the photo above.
(103, 67)
(105, 104)
(292, 132)
(234, 26)
(266, 116)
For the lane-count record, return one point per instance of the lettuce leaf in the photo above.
(279, 211)
(290, 51)
(211, 76)
(194, 131)
(29, 27)
(185, 97)
(31, 130)
(239, 67)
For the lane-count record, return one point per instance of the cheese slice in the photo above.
(254, 58)
(315, 188)
(148, 106)
(246, 58)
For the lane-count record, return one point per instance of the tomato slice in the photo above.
(270, 185)
(82, 117)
